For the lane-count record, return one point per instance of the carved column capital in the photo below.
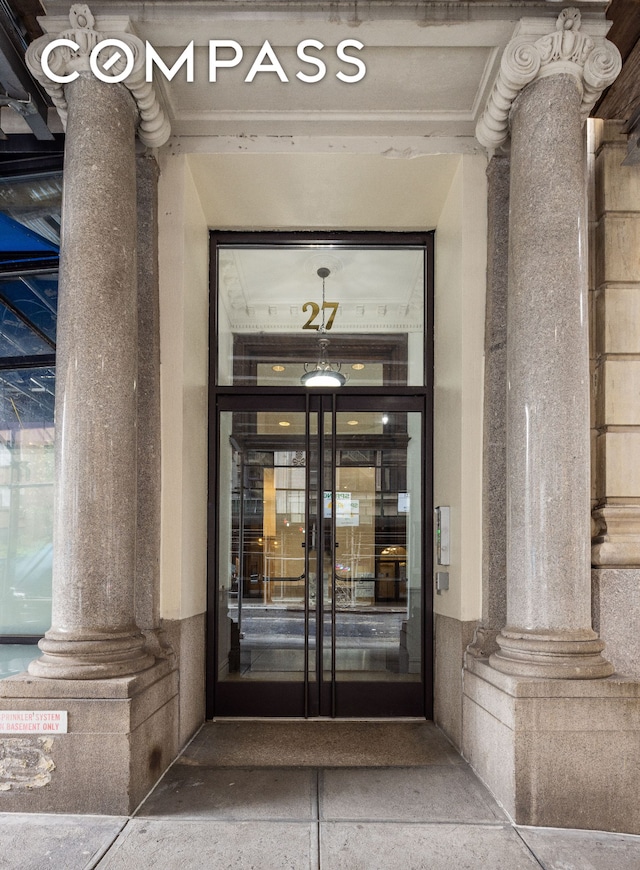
(67, 60)
(592, 60)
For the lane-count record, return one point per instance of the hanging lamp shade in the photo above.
(322, 373)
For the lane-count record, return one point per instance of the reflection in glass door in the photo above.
(320, 557)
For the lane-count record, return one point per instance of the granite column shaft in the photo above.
(494, 471)
(548, 630)
(93, 631)
(148, 537)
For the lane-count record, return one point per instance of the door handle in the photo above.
(312, 542)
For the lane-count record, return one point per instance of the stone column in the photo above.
(93, 633)
(147, 596)
(547, 86)
(494, 466)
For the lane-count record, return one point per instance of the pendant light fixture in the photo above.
(322, 373)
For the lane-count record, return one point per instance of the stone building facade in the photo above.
(470, 126)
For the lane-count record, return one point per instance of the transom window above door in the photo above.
(352, 312)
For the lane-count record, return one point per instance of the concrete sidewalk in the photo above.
(226, 803)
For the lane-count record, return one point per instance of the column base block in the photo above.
(97, 659)
(570, 655)
(555, 753)
(122, 735)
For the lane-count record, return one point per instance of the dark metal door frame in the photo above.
(343, 703)
(322, 696)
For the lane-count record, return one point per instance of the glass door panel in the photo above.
(263, 619)
(373, 611)
(320, 524)
(378, 569)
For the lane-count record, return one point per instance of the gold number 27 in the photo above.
(315, 311)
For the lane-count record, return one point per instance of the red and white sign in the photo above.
(33, 721)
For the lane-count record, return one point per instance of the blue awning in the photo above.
(20, 246)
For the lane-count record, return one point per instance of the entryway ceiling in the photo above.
(430, 67)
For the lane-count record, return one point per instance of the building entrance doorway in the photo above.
(320, 611)
(319, 546)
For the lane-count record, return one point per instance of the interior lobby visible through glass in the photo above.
(288, 313)
(320, 537)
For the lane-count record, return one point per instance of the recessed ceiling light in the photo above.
(352, 422)
(357, 367)
(284, 423)
(277, 368)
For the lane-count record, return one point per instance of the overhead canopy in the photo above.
(20, 246)
(29, 250)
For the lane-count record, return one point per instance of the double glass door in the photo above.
(319, 564)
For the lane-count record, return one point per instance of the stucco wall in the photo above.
(184, 326)
(459, 351)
